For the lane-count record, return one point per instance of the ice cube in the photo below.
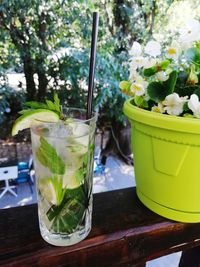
(80, 132)
(59, 130)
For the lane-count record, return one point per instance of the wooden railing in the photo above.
(124, 233)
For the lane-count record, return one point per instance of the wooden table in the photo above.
(124, 233)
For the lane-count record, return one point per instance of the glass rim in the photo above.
(94, 113)
(77, 121)
(94, 117)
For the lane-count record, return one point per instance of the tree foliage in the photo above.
(49, 40)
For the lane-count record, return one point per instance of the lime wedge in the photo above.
(70, 179)
(47, 190)
(28, 118)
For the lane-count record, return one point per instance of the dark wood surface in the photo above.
(190, 255)
(124, 233)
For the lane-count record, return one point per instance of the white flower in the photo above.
(190, 32)
(136, 49)
(139, 86)
(174, 104)
(153, 48)
(137, 62)
(174, 50)
(159, 108)
(133, 74)
(194, 105)
(162, 76)
(149, 62)
(137, 89)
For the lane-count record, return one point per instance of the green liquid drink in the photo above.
(63, 159)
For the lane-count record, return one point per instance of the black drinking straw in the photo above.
(92, 63)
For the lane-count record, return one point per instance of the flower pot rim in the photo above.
(176, 123)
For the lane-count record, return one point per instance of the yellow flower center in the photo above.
(156, 109)
(137, 87)
(171, 51)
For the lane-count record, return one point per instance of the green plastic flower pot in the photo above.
(167, 162)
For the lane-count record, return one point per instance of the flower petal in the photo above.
(153, 48)
(136, 49)
(194, 103)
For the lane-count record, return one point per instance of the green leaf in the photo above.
(22, 112)
(182, 78)
(188, 115)
(164, 64)
(171, 82)
(70, 213)
(55, 106)
(193, 55)
(138, 100)
(69, 218)
(150, 71)
(57, 183)
(185, 90)
(50, 105)
(185, 107)
(56, 102)
(156, 92)
(36, 105)
(159, 90)
(80, 175)
(154, 69)
(48, 157)
(197, 92)
(198, 45)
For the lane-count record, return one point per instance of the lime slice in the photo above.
(71, 179)
(47, 190)
(28, 118)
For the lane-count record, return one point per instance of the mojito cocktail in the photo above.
(63, 159)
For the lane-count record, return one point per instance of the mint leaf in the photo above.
(48, 157)
(69, 218)
(55, 106)
(70, 213)
(80, 175)
(57, 183)
(24, 111)
(36, 105)
(50, 105)
(56, 102)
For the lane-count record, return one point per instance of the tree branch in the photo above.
(153, 13)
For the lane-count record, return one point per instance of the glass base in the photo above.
(64, 240)
(60, 239)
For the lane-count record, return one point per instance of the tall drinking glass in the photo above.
(63, 159)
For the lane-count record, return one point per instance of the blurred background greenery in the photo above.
(48, 43)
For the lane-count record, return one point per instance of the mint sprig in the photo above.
(50, 105)
(48, 157)
(70, 213)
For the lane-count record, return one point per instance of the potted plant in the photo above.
(164, 112)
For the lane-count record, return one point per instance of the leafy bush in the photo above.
(11, 101)
(69, 75)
